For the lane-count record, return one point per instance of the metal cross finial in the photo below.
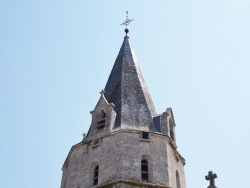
(126, 23)
(211, 176)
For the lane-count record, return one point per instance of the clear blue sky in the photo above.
(55, 57)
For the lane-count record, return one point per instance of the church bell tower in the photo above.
(128, 144)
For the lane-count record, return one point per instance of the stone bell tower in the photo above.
(128, 144)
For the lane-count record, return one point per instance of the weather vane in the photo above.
(126, 23)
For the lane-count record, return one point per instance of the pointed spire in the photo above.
(127, 90)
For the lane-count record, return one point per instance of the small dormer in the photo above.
(103, 116)
(165, 124)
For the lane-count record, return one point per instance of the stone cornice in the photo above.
(132, 183)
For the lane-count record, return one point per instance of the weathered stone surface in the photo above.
(119, 156)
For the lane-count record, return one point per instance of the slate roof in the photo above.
(127, 90)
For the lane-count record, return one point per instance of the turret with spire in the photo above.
(128, 144)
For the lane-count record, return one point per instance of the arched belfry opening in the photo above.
(101, 120)
(144, 170)
(96, 175)
(102, 114)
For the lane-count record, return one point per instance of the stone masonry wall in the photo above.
(119, 156)
(175, 164)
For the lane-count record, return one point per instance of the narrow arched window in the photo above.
(178, 183)
(101, 121)
(103, 114)
(171, 127)
(144, 170)
(96, 174)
